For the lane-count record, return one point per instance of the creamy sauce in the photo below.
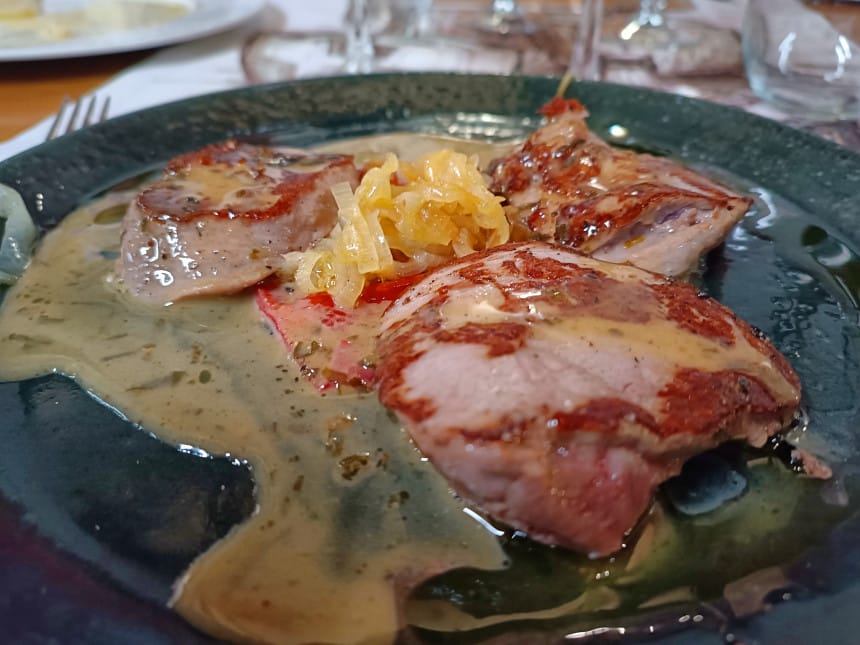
(349, 515)
(659, 340)
(25, 27)
(232, 187)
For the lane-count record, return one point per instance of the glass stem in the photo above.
(585, 57)
(505, 9)
(359, 44)
(651, 13)
(423, 18)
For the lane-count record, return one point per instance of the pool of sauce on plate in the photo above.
(349, 517)
(348, 511)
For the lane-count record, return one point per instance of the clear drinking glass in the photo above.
(418, 35)
(540, 37)
(506, 16)
(285, 55)
(641, 47)
(803, 57)
(643, 33)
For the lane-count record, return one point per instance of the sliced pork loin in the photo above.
(565, 184)
(555, 391)
(220, 218)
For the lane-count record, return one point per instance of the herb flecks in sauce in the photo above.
(328, 557)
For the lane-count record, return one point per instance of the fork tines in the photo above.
(65, 123)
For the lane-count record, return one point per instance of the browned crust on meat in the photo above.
(566, 185)
(705, 403)
(390, 372)
(596, 293)
(579, 222)
(159, 199)
(500, 338)
(540, 160)
(580, 290)
(696, 312)
(602, 415)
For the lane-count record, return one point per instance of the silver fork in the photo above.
(74, 115)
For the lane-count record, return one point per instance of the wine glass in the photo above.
(553, 40)
(285, 55)
(667, 47)
(363, 19)
(508, 18)
(648, 28)
(505, 17)
(416, 35)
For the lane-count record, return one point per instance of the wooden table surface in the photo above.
(31, 91)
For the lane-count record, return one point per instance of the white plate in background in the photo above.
(204, 17)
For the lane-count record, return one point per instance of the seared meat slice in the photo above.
(220, 218)
(565, 184)
(556, 391)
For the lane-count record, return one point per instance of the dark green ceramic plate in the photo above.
(81, 488)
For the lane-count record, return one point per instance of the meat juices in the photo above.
(565, 184)
(220, 218)
(556, 391)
